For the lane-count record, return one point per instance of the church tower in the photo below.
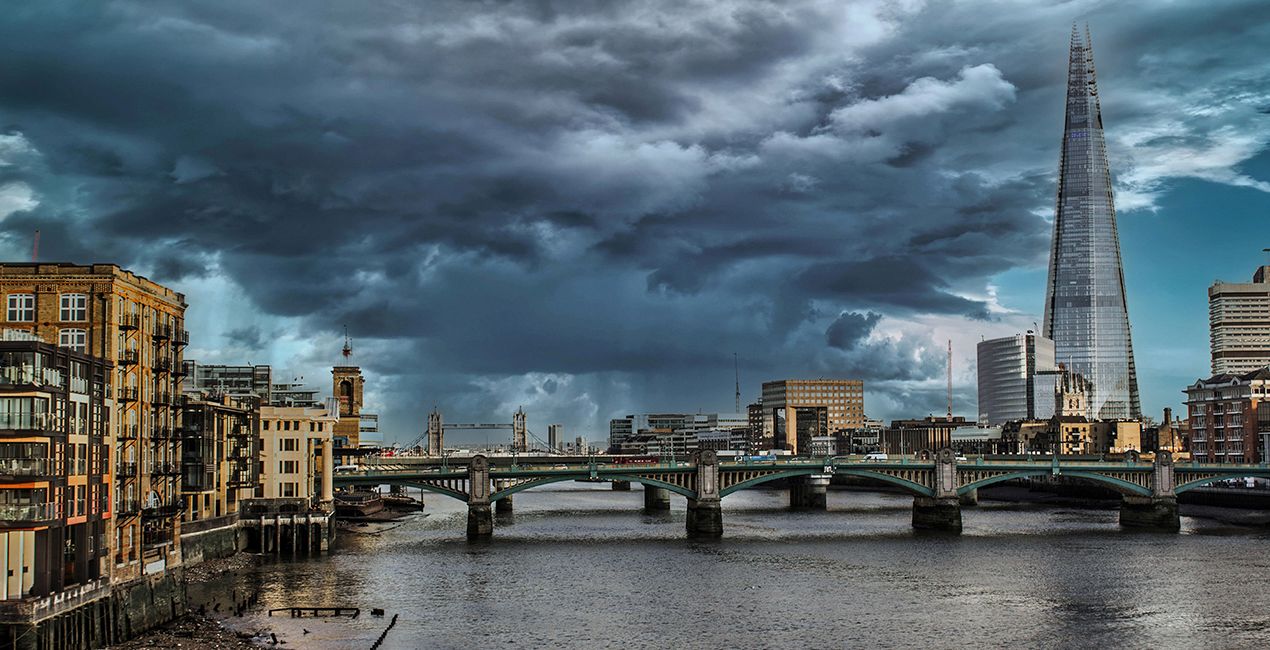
(346, 386)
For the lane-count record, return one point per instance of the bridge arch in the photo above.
(907, 485)
(453, 494)
(1201, 482)
(1119, 485)
(633, 478)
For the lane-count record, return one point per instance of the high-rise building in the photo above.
(1085, 310)
(554, 434)
(139, 326)
(801, 409)
(1239, 324)
(1007, 367)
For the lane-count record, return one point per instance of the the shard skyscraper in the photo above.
(1085, 310)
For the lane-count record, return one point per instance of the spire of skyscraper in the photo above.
(1085, 308)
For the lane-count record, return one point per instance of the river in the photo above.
(579, 566)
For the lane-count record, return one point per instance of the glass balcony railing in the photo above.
(24, 467)
(30, 375)
(33, 512)
(26, 421)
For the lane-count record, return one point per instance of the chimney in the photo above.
(1168, 416)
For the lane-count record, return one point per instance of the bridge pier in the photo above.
(621, 486)
(1156, 513)
(657, 498)
(937, 514)
(480, 519)
(942, 510)
(705, 513)
(705, 519)
(809, 492)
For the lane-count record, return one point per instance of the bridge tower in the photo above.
(518, 431)
(436, 434)
(1158, 511)
(942, 510)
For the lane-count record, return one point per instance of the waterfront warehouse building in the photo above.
(138, 326)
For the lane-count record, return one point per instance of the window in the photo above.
(264, 425)
(21, 307)
(74, 307)
(290, 444)
(75, 339)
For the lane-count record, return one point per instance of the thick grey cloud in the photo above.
(587, 207)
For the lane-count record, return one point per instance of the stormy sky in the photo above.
(585, 208)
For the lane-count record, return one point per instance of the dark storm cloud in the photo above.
(591, 204)
(850, 328)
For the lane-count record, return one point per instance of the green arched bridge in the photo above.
(939, 482)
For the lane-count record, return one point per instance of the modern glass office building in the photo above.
(1007, 368)
(1085, 310)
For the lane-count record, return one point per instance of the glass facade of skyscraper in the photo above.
(1085, 310)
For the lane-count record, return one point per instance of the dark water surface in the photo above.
(579, 566)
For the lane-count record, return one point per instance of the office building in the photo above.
(1230, 417)
(1239, 324)
(797, 410)
(905, 437)
(1086, 314)
(55, 474)
(1006, 369)
(217, 379)
(674, 434)
(555, 432)
(139, 326)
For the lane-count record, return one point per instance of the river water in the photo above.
(579, 566)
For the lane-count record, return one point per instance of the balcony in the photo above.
(23, 468)
(26, 375)
(180, 337)
(239, 431)
(161, 399)
(162, 511)
(25, 421)
(152, 537)
(165, 469)
(26, 513)
(162, 331)
(130, 321)
(127, 394)
(125, 470)
(162, 434)
(129, 358)
(161, 364)
(128, 508)
(129, 432)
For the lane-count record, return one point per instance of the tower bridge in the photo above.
(939, 482)
(434, 435)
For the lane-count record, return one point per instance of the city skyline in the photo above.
(826, 194)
